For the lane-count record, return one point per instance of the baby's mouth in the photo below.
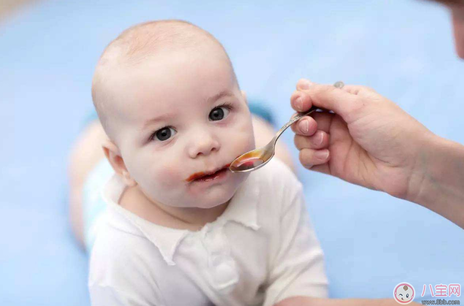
(203, 176)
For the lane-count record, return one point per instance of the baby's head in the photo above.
(168, 99)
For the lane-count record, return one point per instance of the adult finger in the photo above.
(305, 126)
(327, 97)
(319, 140)
(310, 158)
(321, 121)
(357, 89)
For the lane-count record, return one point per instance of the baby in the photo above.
(180, 228)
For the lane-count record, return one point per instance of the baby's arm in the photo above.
(309, 301)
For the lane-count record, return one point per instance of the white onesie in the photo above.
(261, 250)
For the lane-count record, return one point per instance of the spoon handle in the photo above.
(293, 120)
(338, 84)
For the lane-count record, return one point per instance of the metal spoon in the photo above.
(255, 159)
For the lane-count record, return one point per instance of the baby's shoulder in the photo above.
(113, 244)
(116, 248)
(122, 264)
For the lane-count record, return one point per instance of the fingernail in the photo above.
(308, 166)
(304, 126)
(299, 104)
(304, 84)
(323, 154)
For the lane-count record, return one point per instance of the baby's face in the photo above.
(183, 114)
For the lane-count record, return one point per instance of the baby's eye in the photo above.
(407, 295)
(219, 113)
(164, 133)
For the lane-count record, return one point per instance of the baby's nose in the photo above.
(203, 144)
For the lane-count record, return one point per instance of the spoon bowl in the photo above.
(257, 158)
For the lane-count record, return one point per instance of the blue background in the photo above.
(403, 49)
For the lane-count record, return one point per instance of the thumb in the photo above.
(328, 97)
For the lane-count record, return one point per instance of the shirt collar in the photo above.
(242, 209)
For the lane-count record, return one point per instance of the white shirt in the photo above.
(261, 250)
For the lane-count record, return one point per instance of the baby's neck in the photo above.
(192, 219)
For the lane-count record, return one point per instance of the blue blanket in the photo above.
(372, 242)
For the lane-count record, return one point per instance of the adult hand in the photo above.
(368, 140)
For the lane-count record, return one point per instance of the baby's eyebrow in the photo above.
(222, 94)
(159, 118)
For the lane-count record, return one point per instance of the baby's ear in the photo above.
(244, 96)
(114, 157)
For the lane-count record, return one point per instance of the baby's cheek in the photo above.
(243, 137)
(170, 174)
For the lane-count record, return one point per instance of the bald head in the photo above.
(131, 48)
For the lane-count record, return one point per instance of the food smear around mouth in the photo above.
(202, 175)
(248, 161)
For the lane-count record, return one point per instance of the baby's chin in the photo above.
(211, 205)
(216, 196)
(213, 199)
